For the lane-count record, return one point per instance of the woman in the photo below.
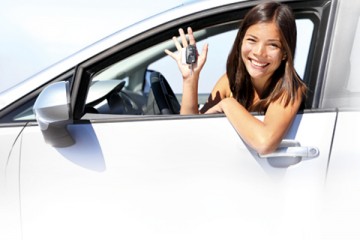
(260, 76)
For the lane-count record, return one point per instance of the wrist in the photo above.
(194, 77)
(225, 103)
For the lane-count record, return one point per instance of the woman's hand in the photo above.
(215, 109)
(220, 106)
(187, 70)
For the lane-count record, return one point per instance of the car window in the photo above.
(26, 115)
(353, 84)
(342, 89)
(219, 48)
(305, 29)
(123, 87)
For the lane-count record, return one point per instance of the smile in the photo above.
(258, 64)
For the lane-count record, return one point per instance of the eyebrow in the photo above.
(268, 40)
(274, 40)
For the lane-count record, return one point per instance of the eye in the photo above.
(250, 40)
(274, 46)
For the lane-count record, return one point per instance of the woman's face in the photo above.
(261, 51)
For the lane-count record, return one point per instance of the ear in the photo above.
(284, 56)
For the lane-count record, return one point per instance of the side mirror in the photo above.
(53, 114)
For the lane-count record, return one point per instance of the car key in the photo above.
(190, 56)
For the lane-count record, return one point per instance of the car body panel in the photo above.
(340, 205)
(185, 186)
(10, 157)
(8, 138)
(345, 160)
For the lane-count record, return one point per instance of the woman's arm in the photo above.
(263, 136)
(190, 75)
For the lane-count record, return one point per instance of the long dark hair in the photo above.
(285, 82)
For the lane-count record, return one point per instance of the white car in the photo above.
(94, 148)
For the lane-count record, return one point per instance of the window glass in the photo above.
(354, 83)
(342, 85)
(26, 115)
(305, 28)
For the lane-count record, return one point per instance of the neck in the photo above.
(259, 85)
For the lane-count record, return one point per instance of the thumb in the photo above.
(204, 51)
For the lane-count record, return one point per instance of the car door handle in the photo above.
(289, 153)
(303, 152)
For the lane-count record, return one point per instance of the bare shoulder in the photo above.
(280, 112)
(220, 91)
(222, 87)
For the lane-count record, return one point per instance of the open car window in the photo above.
(125, 88)
(126, 85)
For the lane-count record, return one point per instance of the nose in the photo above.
(259, 50)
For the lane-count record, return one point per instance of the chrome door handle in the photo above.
(303, 152)
(289, 153)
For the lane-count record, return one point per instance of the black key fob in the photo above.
(191, 54)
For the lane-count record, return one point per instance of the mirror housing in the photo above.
(53, 114)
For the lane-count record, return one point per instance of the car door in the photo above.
(185, 177)
(130, 176)
(9, 181)
(341, 205)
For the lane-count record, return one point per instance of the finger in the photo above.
(177, 44)
(202, 56)
(183, 38)
(213, 110)
(210, 111)
(204, 51)
(191, 36)
(171, 54)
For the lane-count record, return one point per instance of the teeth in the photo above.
(258, 64)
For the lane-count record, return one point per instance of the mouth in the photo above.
(258, 64)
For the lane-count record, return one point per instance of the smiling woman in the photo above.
(260, 76)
